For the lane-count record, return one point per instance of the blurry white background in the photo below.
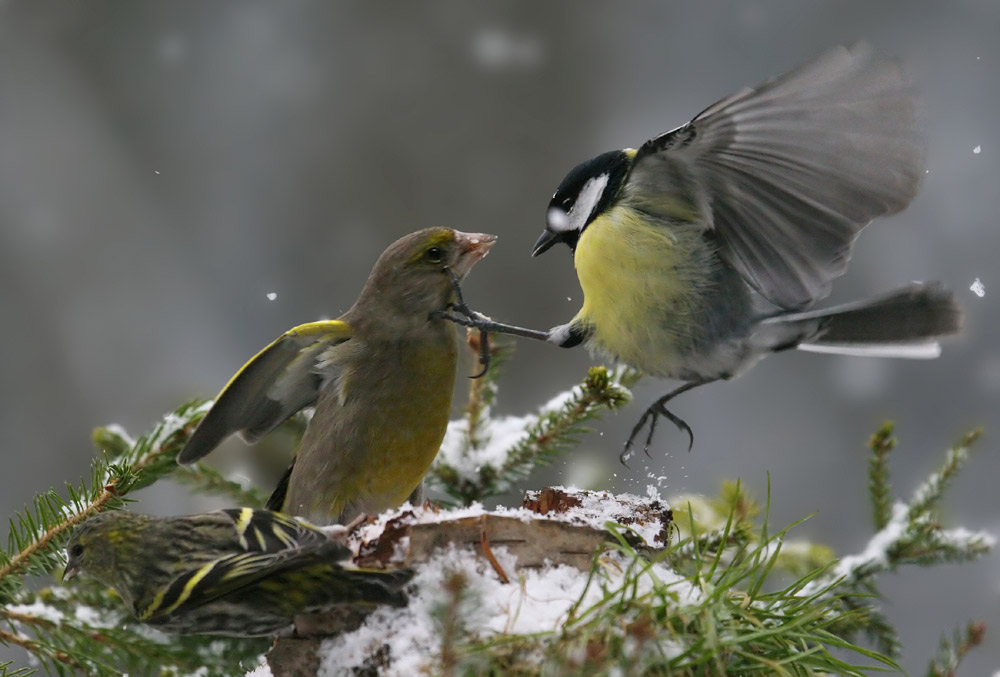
(164, 167)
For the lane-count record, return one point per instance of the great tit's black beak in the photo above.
(547, 239)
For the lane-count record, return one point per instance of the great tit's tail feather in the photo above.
(903, 323)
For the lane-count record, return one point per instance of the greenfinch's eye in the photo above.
(434, 254)
(76, 550)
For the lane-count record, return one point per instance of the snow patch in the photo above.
(537, 601)
(36, 610)
(496, 438)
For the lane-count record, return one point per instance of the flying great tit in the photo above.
(700, 252)
(380, 378)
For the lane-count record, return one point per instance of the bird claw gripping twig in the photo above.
(466, 317)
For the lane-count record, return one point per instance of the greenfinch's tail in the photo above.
(276, 501)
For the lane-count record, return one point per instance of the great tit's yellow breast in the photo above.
(636, 277)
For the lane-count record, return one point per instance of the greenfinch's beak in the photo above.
(471, 248)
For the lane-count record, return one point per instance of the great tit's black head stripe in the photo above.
(589, 189)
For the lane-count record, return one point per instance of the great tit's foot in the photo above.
(467, 317)
(652, 415)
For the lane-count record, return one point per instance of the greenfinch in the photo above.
(380, 378)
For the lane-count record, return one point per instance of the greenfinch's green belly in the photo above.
(370, 444)
(404, 447)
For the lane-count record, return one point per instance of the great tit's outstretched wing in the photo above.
(280, 380)
(787, 173)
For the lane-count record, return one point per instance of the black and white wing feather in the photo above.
(790, 171)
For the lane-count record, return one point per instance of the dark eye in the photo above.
(76, 550)
(434, 254)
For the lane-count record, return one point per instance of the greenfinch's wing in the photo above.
(265, 531)
(786, 174)
(228, 574)
(277, 382)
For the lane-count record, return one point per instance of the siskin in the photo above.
(241, 572)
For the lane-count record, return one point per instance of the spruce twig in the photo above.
(928, 495)
(951, 653)
(911, 533)
(472, 467)
(20, 560)
(880, 444)
(71, 643)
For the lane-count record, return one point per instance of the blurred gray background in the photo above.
(166, 166)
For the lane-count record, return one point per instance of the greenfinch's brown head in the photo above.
(411, 277)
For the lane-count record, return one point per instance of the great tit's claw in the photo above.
(649, 437)
(681, 425)
(626, 454)
(627, 449)
(652, 415)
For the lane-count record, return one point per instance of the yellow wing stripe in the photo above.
(288, 539)
(189, 587)
(334, 329)
(242, 522)
(261, 541)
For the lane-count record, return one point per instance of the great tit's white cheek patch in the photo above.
(558, 220)
(586, 201)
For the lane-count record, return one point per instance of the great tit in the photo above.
(380, 378)
(699, 253)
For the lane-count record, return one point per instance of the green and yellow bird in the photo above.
(242, 572)
(699, 252)
(380, 378)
